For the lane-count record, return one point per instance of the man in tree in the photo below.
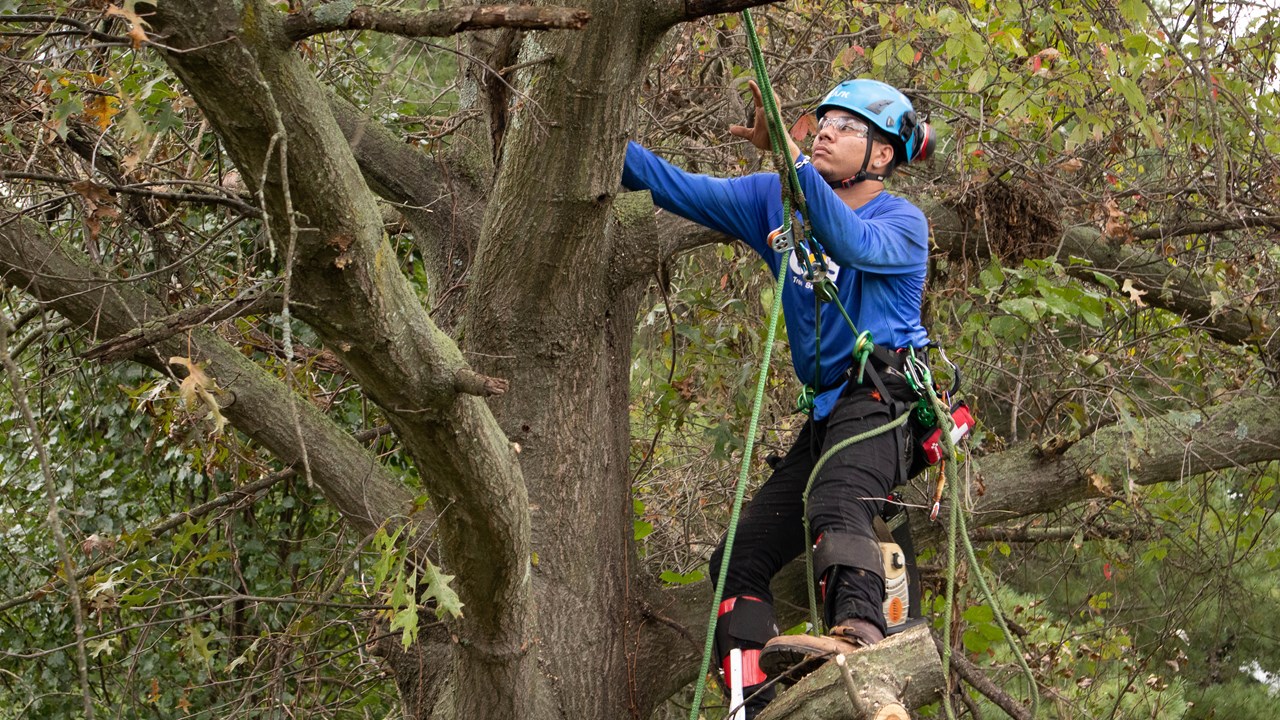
(877, 245)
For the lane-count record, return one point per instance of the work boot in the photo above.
(794, 656)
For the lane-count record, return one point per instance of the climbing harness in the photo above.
(950, 423)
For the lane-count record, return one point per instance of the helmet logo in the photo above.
(879, 105)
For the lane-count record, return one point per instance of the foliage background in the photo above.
(1153, 123)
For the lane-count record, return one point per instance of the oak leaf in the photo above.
(1134, 293)
(197, 389)
(807, 125)
(137, 34)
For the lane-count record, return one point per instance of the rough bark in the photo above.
(551, 319)
(441, 199)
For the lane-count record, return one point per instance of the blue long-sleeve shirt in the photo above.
(878, 256)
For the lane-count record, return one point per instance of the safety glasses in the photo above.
(844, 125)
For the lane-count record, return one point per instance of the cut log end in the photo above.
(892, 712)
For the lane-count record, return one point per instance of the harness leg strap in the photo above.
(745, 623)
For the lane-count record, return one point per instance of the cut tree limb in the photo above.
(430, 23)
(902, 673)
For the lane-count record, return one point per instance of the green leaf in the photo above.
(1135, 11)
(978, 614)
(906, 54)
(672, 577)
(992, 276)
(642, 529)
(1132, 94)
(1106, 281)
(978, 80)
(975, 642)
(447, 601)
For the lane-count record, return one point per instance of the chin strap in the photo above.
(861, 174)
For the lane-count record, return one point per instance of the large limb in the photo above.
(345, 283)
(686, 10)
(440, 198)
(1168, 286)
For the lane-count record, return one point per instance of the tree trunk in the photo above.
(546, 312)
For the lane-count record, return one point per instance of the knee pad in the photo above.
(746, 623)
(859, 552)
(844, 552)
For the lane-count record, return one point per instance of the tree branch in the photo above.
(142, 190)
(345, 15)
(1035, 534)
(1207, 227)
(264, 100)
(1167, 286)
(129, 344)
(694, 9)
(441, 201)
(973, 675)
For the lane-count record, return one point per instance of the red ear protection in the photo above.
(926, 141)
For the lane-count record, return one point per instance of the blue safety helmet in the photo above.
(889, 111)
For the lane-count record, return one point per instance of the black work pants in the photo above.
(847, 495)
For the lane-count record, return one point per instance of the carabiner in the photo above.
(955, 372)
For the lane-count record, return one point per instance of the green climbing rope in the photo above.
(958, 535)
(741, 489)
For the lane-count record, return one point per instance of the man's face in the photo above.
(841, 145)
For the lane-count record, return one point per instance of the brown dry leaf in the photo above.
(100, 203)
(92, 192)
(1072, 165)
(197, 389)
(136, 34)
(807, 125)
(1114, 225)
(131, 161)
(1099, 483)
(1134, 293)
